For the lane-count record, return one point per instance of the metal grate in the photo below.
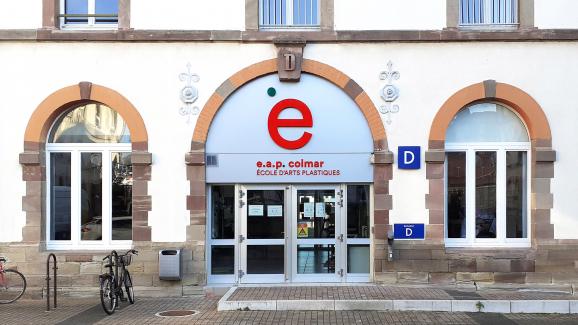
(288, 13)
(488, 12)
(212, 161)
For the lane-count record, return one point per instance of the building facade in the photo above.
(291, 141)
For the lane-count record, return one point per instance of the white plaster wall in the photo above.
(187, 14)
(21, 14)
(147, 74)
(555, 13)
(390, 14)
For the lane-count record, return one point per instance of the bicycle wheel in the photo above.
(108, 298)
(12, 286)
(128, 287)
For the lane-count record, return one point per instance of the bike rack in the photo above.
(48, 280)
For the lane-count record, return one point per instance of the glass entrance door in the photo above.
(316, 234)
(262, 235)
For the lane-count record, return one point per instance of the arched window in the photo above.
(89, 197)
(487, 149)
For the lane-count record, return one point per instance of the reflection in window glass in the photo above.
(121, 196)
(313, 259)
(357, 258)
(91, 196)
(106, 7)
(223, 212)
(456, 195)
(76, 7)
(357, 211)
(516, 219)
(60, 196)
(265, 259)
(222, 259)
(486, 194)
(316, 213)
(90, 123)
(261, 224)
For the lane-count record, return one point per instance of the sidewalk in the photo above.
(384, 298)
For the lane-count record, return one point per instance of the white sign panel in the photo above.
(320, 210)
(274, 210)
(255, 210)
(307, 132)
(308, 209)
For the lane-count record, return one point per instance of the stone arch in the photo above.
(543, 157)
(382, 160)
(35, 136)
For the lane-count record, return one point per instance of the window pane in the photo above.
(268, 259)
(486, 194)
(486, 122)
(456, 196)
(60, 196)
(223, 212)
(313, 259)
(358, 211)
(222, 260)
(316, 212)
(121, 196)
(516, 217)
(106, 7)
(90, 123)
(76, 7)
(357, 258)
(91, 196)
(260, 224)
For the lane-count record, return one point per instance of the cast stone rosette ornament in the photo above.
(389, 93)
(189, 93)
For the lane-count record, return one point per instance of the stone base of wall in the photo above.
(78, 271)
(414, 263)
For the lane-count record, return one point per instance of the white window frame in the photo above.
(75, 243)
(487, 16)
(91, 20)
(289, 24)
(500, 148)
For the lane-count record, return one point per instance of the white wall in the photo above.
(390, 14)
(21, 14)
(187, 14)
(556, 13)
(147, 74)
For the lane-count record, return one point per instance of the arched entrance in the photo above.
(271, 190)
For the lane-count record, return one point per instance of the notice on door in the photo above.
(302, 230)
(308, 209)
(274, 210)
(320, 210)
(256, 210)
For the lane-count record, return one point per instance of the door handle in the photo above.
(340, 238)
(241, 238)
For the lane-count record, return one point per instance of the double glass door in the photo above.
(300, 234)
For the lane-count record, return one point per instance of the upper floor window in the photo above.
(89, 13)
(497, 13)
(289, 14)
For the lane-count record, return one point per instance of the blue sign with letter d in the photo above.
(409, 231)
(408, 157)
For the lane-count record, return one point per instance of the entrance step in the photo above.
(382, 298)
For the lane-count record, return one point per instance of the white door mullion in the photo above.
(289, 12)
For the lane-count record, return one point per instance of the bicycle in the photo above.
(111, 283)
(12, 284)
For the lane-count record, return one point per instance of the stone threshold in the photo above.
(534, 306)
